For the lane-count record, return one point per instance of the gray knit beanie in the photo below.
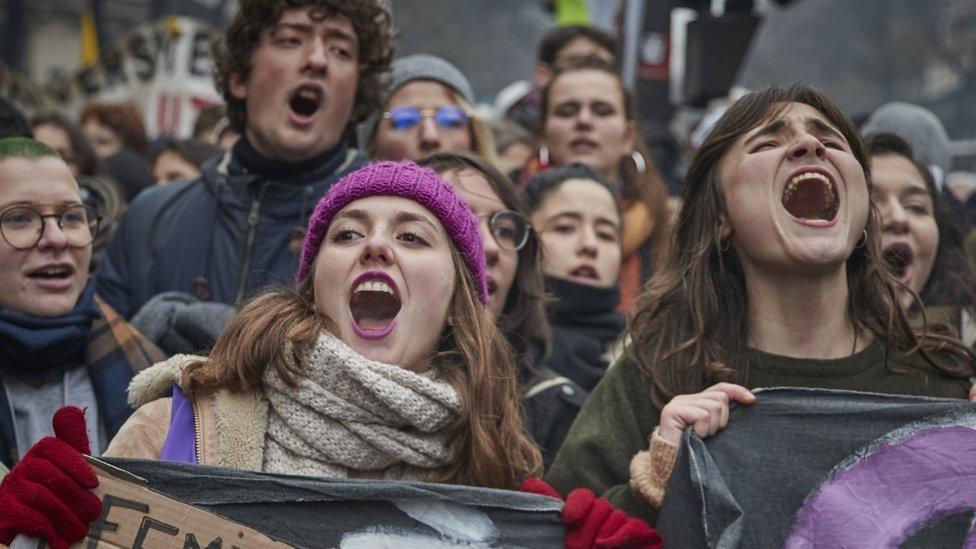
(921, 129)
(417, 67)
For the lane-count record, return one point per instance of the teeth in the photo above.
(373, 286)
(308, 94)
(828, 189)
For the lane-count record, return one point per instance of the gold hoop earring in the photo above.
(863, 240)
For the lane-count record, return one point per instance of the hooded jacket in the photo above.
(223, 429)
(219, 237)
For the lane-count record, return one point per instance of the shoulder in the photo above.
(158, 380)
(155, 198)
(544, 385)
(111, 332)
(353, 160)
(929, 373)
(622, 395)
(144, 433)
(323, 175)
(144, 212)
(624, 369)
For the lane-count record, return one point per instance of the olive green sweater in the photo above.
(618, 417)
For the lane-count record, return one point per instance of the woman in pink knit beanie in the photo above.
(387, 320)
(382, 362)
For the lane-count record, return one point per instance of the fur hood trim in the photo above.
(157, 381)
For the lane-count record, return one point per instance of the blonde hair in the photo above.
(482, 141)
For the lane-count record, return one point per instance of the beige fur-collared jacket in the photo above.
(229, 427)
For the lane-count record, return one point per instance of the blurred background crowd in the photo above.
(569, 127)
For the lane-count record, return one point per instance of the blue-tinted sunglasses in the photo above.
(404, 117)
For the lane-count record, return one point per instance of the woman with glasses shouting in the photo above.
(515, 293)
(59, 343)
(427, 110)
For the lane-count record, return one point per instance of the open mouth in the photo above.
(582, 144)
(53, 272)
(305, 101)
(374, 305)
(898, 257)
(811, 196)
(585, 271)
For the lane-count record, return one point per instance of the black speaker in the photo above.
(714, 50)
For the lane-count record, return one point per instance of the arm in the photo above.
(123, 279)
(143, 434)
(612, 427)
(651, 469)
(706, 413)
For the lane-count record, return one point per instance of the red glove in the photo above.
(47, 493)
(592, 522)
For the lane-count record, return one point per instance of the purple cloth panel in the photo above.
(888, 495)
(180, 444)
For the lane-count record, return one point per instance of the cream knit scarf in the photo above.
(350, 412)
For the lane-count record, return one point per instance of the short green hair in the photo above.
(24, 147)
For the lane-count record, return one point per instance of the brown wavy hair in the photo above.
(473, 356)
(124, 119)
(371, 21)
(689, 329)
(523, 318)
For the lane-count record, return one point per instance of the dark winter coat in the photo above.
(220, 237)
(551, 403)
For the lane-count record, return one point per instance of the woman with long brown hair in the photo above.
(775, 279)
(391, 273)
(921, 237)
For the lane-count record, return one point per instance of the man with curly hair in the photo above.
(297, 76)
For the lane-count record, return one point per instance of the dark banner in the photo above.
(814, 468)
(316, 512)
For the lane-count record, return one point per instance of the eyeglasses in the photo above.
(509, 229)
(23, 226)
(405, 117)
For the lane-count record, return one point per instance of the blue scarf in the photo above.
(40, 347)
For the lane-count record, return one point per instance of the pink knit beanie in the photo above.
(408, 180)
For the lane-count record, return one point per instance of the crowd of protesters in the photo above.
(483, 299)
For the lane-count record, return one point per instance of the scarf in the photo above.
(279, 169)
(584, 321)
(43, 347)
(352, 413)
